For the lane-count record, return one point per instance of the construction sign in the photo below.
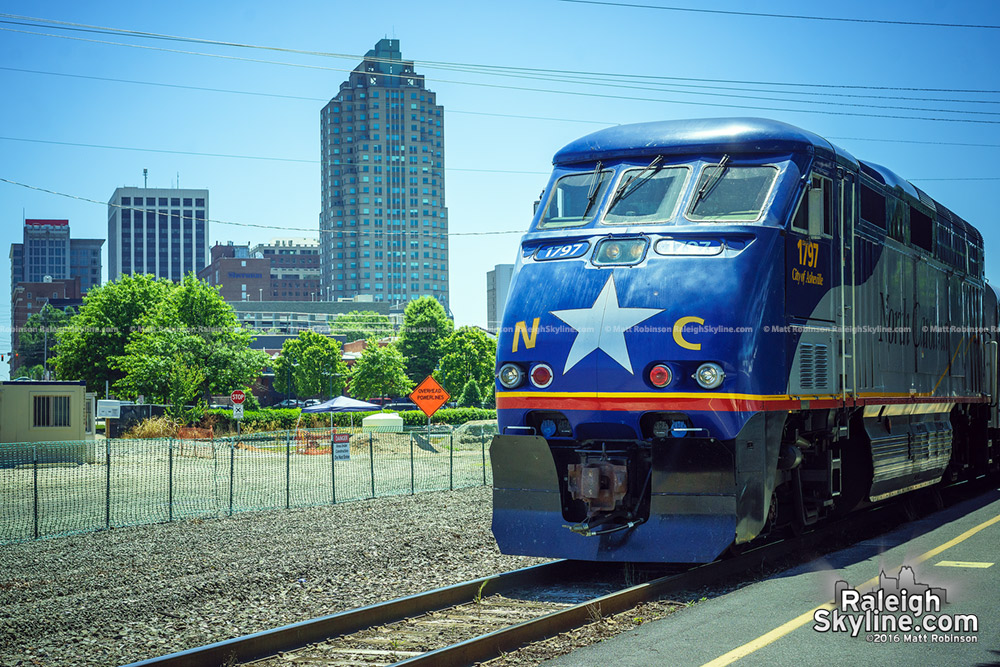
(429, 396)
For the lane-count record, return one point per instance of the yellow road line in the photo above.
(799, 621)
(963, 563)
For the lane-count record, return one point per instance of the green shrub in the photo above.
(471, 396)
(285, 419)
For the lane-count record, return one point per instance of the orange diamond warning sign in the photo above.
(429, 396)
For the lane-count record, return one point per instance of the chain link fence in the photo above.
(49, 489)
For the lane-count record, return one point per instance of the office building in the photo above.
(239, 275)
(47, 249)
(295, 268)
(29, 298)
(383, 223)
(159, 231)
(497, 287)
(48, 266)
(280, 270)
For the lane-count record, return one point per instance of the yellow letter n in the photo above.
(521, 329)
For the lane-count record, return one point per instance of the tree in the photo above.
(35, 372)
(381, 371)
(361, 325)
(183, 384)
(36, 341)
(469, 355)
(470, 398)
(100, 331)
(194, 324)
(425, 328)
(311, 364)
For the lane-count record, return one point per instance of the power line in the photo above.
(971, 178)
(440, 234)
(456, 66)
(591, 95)
(165, 85)
(450, 111)
(923, 24)
(735, 95)
(342, 233)
(350, 163)
(914, 141)
(157, 150)
(238, 157)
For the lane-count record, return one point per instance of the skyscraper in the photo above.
(159, 231)
(48, 250)
(383, 224)
(49, 268)
(497, 287)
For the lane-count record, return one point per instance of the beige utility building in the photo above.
(45, 412)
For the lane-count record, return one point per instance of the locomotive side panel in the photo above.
(722, 368)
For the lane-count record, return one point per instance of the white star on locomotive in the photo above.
(602, 326)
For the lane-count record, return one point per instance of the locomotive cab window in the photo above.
(729, 193)
(814, 215)
(646, 195)
(574, 200)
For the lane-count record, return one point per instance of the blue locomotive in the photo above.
(719, 327)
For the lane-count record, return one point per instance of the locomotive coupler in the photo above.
(601, 485)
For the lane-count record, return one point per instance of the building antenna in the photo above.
(145, 178)
(178, 180)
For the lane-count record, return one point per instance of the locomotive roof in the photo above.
(732, 135)
(703, 135)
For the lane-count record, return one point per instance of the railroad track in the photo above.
(483, 618)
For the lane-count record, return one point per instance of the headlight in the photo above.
(511, 375)
(710, 375)
(620, 251)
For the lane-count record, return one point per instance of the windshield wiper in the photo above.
(594, 182)
(712, 181)
(638, 179)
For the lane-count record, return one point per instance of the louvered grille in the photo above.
(814, 366)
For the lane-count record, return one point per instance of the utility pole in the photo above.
(45, 353)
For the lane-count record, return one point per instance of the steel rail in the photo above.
(493, 644)
(298, 635)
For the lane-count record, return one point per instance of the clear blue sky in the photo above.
(496, 164)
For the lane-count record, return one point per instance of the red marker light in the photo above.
(541, 376)
(659, 376)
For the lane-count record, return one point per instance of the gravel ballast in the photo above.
(134, 593)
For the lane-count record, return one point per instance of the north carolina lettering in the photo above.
(521, 330)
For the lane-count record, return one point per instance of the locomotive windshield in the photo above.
(574, 199)
(727, 193)
(647, 195)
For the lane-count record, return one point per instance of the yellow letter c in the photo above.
(678, 331)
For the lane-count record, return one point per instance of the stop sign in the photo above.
(237, 396)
